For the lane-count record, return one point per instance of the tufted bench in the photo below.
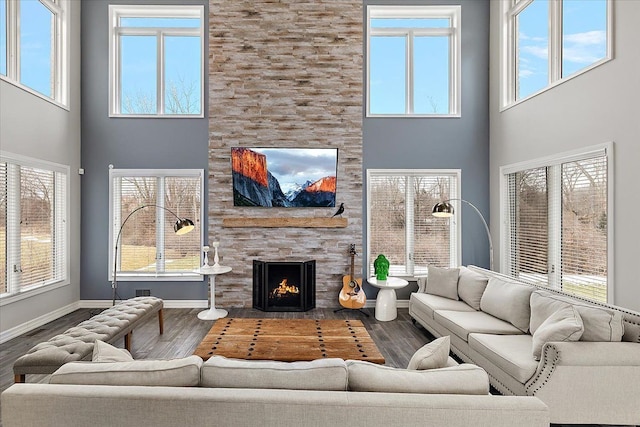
(77, 343)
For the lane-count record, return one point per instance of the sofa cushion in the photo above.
(103, 352)
(319, 374)
(443, 282)
(462, 323)
(508, 301)
(461, 379)
(471, 286)
(183, 372)
(432, 355)
(510, 353)
(563, 325)
(427, 304)
(600, 323)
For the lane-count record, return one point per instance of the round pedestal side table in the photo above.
(386, 306)
(212, 313)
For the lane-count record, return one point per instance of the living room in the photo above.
(264, 90)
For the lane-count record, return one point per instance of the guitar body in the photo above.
(351, 295)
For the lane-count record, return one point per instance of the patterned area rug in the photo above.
(289, 340)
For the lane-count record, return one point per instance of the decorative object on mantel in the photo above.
(445, 209)
(340, 210)
(182, 226)
(286, 222)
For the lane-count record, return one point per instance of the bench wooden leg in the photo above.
(127, 341)
(20, 378)
(161, 321)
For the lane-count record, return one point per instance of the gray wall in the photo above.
(598, 106)
(446, 143)
(125, 143)
(33, 127)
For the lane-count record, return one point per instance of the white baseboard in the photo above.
(37, 322)
(179, 303)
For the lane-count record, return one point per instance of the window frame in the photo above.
(509, 10)
(452, 12)
(60, 58)
(61, 227)
(554, 231)
(115, 222)
(116, 12)
(454, 222)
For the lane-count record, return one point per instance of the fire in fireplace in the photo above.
(284, 286)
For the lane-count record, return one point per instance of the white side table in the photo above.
(386, 305)
(212, 313)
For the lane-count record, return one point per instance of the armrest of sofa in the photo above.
(595, 380)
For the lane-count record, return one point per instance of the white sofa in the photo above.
(589, 367)
(230, 392)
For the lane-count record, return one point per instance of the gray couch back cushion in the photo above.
(320, 374)
(508, 301)
(600, 323)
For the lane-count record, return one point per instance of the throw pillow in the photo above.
(443, 282)
(471, 286)
(184, 372)
(432, 355)
(320, 374)
(461, 379)
(103, 352)
(563, 325)
(508, 301)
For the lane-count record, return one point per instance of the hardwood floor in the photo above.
(397, 340)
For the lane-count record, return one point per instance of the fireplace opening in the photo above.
(284, 286)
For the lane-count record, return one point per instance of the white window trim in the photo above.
(16, 295)
(508, 11)
(151, 11)
(553, 160)
(114, 227)
(453, 13)
(60, 56)
(455, 221)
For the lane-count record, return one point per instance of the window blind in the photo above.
(401, 226)
(3, 228)
(556, 224)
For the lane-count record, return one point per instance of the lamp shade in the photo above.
(443, 210)
(183, 226)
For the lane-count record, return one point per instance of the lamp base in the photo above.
(212, 314)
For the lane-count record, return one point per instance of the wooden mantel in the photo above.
(289, 222)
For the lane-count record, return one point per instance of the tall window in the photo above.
(34, 45)
(33, 223)
(413, 55)
(556, 216)
(399, 221)
(549, 41)
(156, 60)
(148, 246)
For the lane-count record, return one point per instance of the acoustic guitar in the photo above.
(351, 295)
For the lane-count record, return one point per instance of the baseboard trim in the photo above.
(37, 322)
(178, 303)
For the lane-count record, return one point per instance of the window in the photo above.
(34, 45)
(548, 41)
(556, 217)
(399, 221)
(156, 60)
(148, 248)
(413, 55)
(33, 224)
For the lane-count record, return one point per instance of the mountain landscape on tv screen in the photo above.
(254, 184)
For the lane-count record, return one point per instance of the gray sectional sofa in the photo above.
(581, 358)
(231, 392)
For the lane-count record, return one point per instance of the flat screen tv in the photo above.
(284, 177)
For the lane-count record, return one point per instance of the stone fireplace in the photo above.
(284, 286)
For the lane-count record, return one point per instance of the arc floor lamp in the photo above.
(181, 226)
(445, 210)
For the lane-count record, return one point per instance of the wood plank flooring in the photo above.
(397, 340)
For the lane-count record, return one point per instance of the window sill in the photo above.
(10, 298)
(34, 92)
(185, 277)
